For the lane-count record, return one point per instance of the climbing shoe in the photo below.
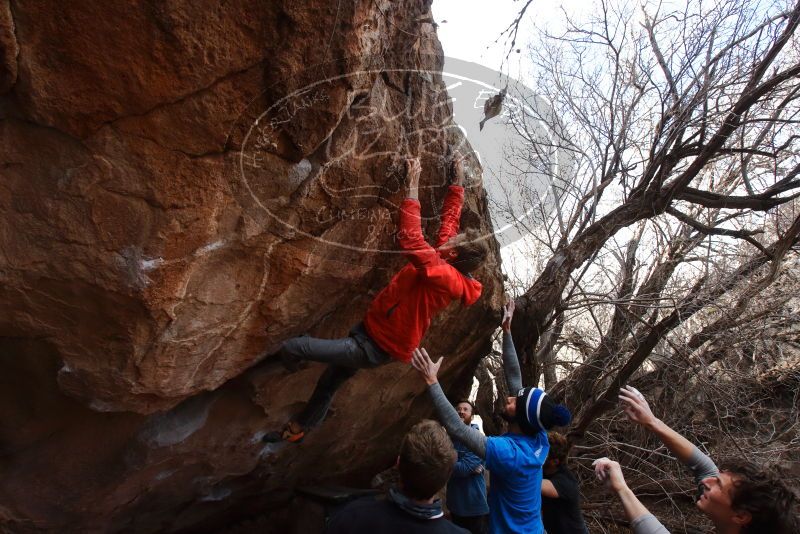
(287, 434)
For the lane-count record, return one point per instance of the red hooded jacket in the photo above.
(401, 313)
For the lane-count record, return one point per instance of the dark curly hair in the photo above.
(764, 495)
(472, 249)
(559, 447)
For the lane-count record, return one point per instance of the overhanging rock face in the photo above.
(185, 185)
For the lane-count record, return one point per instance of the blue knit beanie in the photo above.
(536, 411)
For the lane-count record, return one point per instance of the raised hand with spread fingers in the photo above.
(427, 367)
(635, 406)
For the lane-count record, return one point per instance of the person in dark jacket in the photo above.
(561, 500)
(466, 489)
(425, 462)
(401, 313)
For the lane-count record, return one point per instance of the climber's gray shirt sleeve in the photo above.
(471, 437)
(511, 365)
(648, 524)
(702, 467)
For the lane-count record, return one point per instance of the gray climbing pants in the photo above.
(344, 358)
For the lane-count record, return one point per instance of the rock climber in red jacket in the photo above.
(401, 313)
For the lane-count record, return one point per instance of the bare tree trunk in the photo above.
(488, 380)
(547, 355)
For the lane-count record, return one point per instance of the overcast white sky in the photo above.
(470, 30)
(473, 26)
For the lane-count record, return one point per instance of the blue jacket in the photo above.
(466, 490)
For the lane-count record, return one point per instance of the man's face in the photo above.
(505, 408)
(448, 248)
(454, 241)
(464, 410)
(510, 408)
(716, 500)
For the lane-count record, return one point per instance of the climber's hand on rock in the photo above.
(458, 169)
(423, 363)
(413, 170)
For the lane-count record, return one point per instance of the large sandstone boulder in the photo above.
(185, 185)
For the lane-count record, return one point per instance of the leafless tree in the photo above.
(670, 255)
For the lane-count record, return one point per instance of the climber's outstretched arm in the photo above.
(410, 237)
(638, 410)
(510, 360)
(471, 437)
(642, 521)
(451, 208)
